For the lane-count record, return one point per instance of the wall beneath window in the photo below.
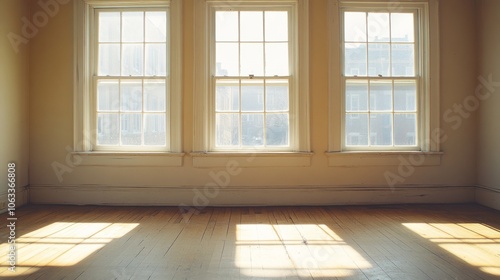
(489, 113)
(51, 134)
(14, 128)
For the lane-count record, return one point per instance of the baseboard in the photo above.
(249, 196)
(489, 197)
(22, 198)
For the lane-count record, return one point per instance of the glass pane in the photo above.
(131, 129)
(156, 59)
(227, 96)
(277, 95)
(356, 129)
(277, 129)
(276, 26)
(402, 27)
(132, 60)
(380, 129)
(354, 27)
(109, 60)
(405, 129)
(156, 26)
(108, 93)
(154, 129)
(132, 27)
(403, 60)
(107, 129)
(251, 26)
(252, 96)
(252, 59)
(405, 96)
(226, 59)
(380, 96)
(154, 96)
(226, 26)
(131, 96)
(227, 129)
(355, 60)
(378, 27)
(379, 59)
(109, 27)
(277, 59)
(356, 96)
(252, 129)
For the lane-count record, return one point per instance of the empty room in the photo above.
(249, 139)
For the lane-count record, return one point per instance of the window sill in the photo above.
(248, 159)
(130, 159)
(346, 159)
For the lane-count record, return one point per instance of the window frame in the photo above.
(427, 102)
(85, 105)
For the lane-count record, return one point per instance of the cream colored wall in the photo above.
(52, 121)
(489, 114)
(14, 126)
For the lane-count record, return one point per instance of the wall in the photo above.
(488, 192)
(52, 135)
(14, 128)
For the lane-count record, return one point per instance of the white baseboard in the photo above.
(249, 196)
(22, 198)
(488, 197)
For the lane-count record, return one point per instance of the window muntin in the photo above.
(381, 79)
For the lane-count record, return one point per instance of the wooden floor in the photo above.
(377, 242)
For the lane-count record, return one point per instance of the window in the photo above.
(387, 99)
(129, 85)
(252, 92)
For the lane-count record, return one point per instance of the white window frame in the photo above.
(85, 70)
(204, 104)
(428, 100)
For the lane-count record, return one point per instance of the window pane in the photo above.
(252, 129)
(378, 27)
(252, 96)
(355, 60)
(403, 60)
(276, 26)
(109, 60)
(277, 59)
(402, 27)
(107, 129)
(405, 129)
(405, 96)
(381, 129)
(154, 129)
(379, 59)
(252, 59)
(108, 98)
(380, 96)
(227, 129)
(227, 96)
(156, 59)
(277, 95)
(226, 59)
(356, 129)
(156, 26)
(354, 27)
(154, 96)
(131, 129)
(277, 129)
(131, 96)
(132, 60)
(251, 26)
(356, 96)
(109, 27)
(132, 27)
(226, 26)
